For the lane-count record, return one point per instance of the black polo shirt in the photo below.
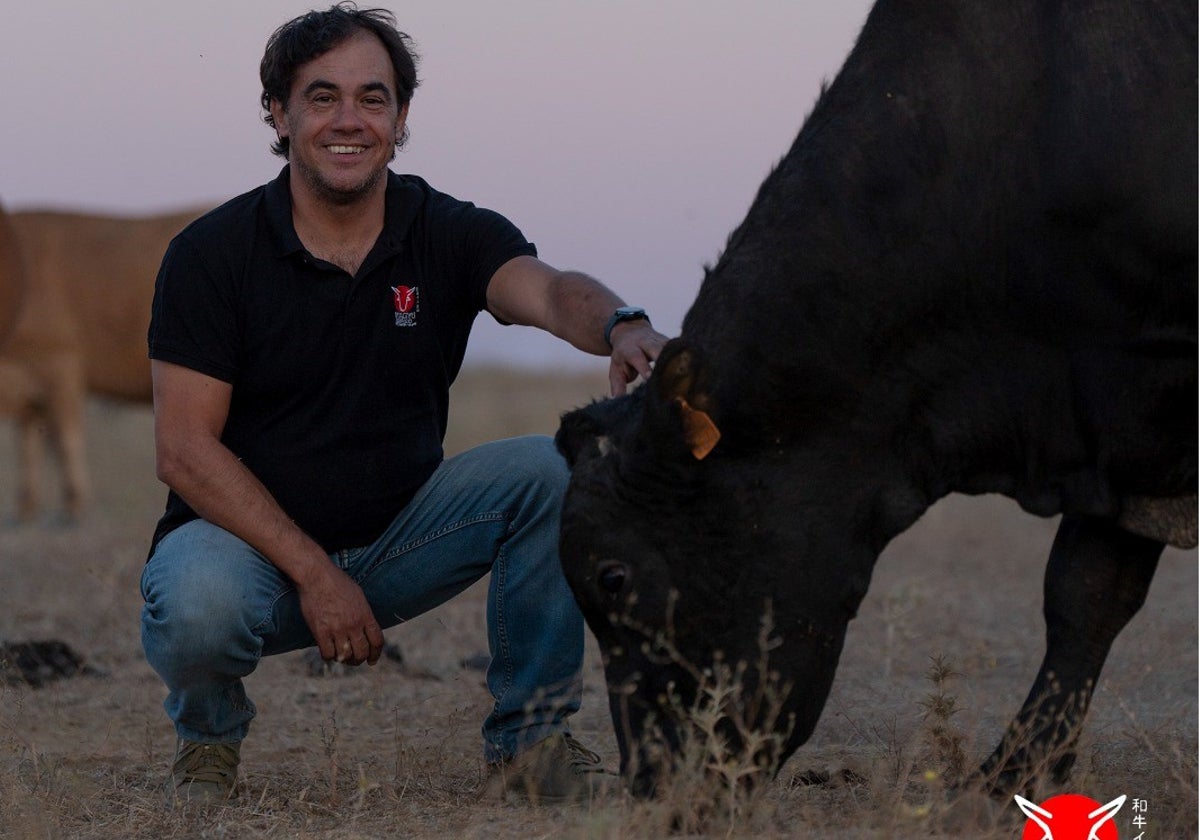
(340, 384)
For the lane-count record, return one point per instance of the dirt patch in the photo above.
(395, 750)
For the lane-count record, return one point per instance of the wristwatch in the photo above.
(623, 313)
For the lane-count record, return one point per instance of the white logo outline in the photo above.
(1042, 817)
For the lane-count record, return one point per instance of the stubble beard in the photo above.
(339, 196)
(334, 195)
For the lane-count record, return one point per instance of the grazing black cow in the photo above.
(975, 271)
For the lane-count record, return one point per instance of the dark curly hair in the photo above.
(313, 34)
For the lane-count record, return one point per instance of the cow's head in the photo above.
(695, 557)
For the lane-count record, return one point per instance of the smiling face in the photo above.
(342, 119)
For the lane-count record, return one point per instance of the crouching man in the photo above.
(303, 342)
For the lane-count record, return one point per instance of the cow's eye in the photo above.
(612, 577)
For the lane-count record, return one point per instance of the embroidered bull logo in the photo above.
(405, 298)
(1069, 817)
(407, 303)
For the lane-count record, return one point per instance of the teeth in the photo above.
(346, 150)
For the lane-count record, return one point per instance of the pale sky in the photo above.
(626, 138)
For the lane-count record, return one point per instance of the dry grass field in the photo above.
(394, 751)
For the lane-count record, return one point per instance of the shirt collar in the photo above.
(402, 200)
(278, 201)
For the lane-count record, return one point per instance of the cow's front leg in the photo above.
(1096, 580)
(31, 458)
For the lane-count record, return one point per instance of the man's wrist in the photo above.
(621, 316)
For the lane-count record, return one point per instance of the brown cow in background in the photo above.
(12, 277)
(81, 329)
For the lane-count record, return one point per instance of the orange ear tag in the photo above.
(700, 432)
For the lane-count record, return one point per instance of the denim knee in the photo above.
(199, 613)
(203, 618)
(534, 463)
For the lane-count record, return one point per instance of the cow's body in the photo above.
(975, 271)
(12, 278)
(81, 329)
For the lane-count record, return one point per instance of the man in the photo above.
(303, 340)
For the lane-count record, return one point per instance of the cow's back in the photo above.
(93, 279)
(967, 148)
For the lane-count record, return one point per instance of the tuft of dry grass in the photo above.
(728, 743)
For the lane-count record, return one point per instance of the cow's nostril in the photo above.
(612, 577)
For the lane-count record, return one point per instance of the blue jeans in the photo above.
(214, 605)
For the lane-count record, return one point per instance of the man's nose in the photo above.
(347, 116)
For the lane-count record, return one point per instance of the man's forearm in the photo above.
(580, 307)
(219, 487)
(223, 491)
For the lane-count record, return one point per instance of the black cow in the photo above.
(975, 271)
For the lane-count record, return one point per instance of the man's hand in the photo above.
(635, 345)
(340, 619)
(575, 308)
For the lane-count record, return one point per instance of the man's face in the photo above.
(342, 121)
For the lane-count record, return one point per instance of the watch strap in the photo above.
(625, 313)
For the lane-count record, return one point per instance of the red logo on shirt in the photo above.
(407, 303)
(405, 297)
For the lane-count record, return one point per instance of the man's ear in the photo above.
(279, 117)
(680, 407)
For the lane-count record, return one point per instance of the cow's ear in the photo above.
(680, 391)
(586, 433)
(699, 430)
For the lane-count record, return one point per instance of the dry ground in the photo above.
(394, 752)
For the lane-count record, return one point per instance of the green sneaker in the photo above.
(556, 769)
(204, 773)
